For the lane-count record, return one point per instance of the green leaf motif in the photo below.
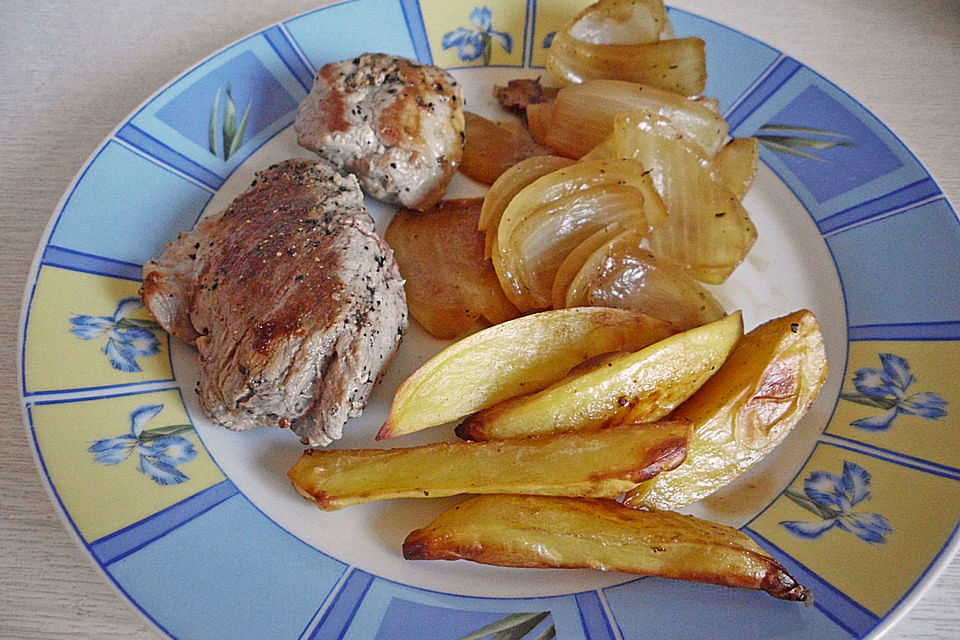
(781, 142)
(214, 112)
(817, 509)
(548, 634)
(229, 124)
(789, 128)
(513, 627)
(859, 398)
(148, 435)
(237, 141)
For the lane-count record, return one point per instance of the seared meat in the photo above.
(293, 300)
(394, 123)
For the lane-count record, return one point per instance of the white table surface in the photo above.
(71, 70)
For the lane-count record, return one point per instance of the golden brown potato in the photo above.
(451, 290)
(570, 533)
(602, 463)
(636, 387)
(493, 147)
(745, 410)
(516, 357)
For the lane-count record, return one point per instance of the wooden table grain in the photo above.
(70, 71)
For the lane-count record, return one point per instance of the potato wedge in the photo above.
(492, 147)
(570, 533)
(509, 359)
(451, 290)
(602, 463)
(745, 410)
(637, 387)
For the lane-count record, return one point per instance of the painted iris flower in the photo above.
(832, 498)
(160, 450)
(477, 42)
(127, 338)
(886, 388)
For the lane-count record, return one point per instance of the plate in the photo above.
(199, 528)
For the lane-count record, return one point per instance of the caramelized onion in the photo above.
(542, 241)
(551, 188)
(583, 114)
(707, 231)
(624, 275)
(574, 261)
(737, 164)
(620, 22)
(507, 186)
(678, 65)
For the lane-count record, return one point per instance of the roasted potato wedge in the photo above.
(745, 410)
(492, 147)
(569, 533)
(601, 463)
(513, 358)
(451, 290)
(636, 387)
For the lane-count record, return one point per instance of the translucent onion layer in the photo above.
(542, 241)
(624, 275)
(583, 115)
(707, 231)
(509, 184)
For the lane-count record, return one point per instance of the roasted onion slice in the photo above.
(507, 186)
(583, 115)
(678, 65)
(542, 241)
(551, 188)
(620, 22)
(574, 261)
(707, 231)
(624, 275)
(737, 164)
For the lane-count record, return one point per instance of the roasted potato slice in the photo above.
(601, 463)
(745, 410)
(513, 358)
(492, 147)
(570, 533)
(636, 387)
(451, 290)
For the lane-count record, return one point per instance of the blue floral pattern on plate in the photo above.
(128, 338)
(832, 498)
(886, 389)
(478, 41)
(160, 449)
